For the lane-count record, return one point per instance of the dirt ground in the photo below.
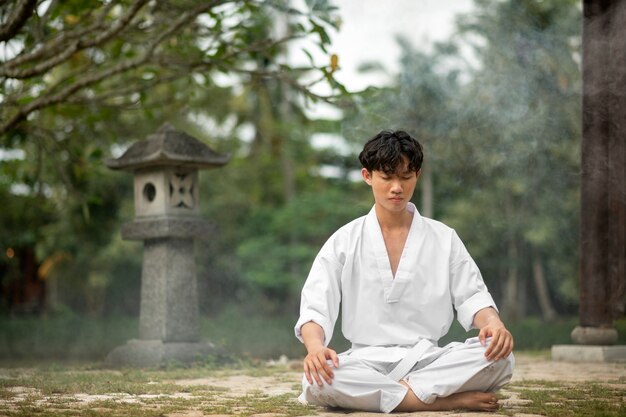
(535, 371)
(529, 368)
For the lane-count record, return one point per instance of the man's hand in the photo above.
(316, 366)
(490, 325)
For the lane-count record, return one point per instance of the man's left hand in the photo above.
(501, 343)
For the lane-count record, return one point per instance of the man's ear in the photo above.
(418, 173)
(367, 176)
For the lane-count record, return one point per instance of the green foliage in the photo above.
(524, 151)
(531, 333)
(208, 67)
(277, 256)
(63, 336)
(501, 133)
(240, 330)
(501, 141)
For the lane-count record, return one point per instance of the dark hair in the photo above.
(385, 152)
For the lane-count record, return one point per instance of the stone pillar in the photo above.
(169, 276)
(167, 221)
(603, 196)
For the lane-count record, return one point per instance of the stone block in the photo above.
(166, 191)
(586, 335)
(588, 353)
(158, 228)
(151, 353)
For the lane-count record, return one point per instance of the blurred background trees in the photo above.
(526, 148)
(81, 79)
(497, 108)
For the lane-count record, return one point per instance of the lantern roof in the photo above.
(168, 147)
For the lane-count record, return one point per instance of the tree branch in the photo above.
(259, 46)
(52, 99)
(53, 47)
(125, 91)
(68, 50)
(282, 75)
(21, 13)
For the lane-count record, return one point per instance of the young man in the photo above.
(398, 278)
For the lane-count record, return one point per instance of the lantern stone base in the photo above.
(149, 353)
(588, 335)
(589, 353)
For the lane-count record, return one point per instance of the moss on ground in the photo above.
(90, 391)
(558, 399)
(85, 391)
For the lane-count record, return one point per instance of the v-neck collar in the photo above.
(393, 287)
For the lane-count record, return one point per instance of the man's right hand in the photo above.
(316, 365)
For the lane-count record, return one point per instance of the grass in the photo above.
(67, 336)
(61, 391)
(563, 400)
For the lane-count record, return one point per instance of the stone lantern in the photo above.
(167, 220)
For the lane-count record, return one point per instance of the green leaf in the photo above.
(308, 54)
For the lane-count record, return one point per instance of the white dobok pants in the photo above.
(363, 384)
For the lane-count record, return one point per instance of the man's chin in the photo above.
(394, 206)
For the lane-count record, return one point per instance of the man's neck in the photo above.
(389, 220)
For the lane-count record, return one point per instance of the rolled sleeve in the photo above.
(318, 319)
(468, 309)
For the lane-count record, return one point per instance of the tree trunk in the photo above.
(603, 188)
(547, 310)
(427, 192)
(522, 299)
(511, 308)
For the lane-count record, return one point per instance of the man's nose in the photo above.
(396, 186)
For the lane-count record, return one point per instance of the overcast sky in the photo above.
(368, 33)
(369, 29)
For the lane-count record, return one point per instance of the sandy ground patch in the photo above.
(529, 368)
(238, 385)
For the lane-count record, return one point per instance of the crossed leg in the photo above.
(469, 400)
(440, 386)
(459, 379)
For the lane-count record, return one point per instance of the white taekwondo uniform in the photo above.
(384, 316)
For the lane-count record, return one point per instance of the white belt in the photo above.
(411, 358)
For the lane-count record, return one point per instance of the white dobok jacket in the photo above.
(381, 315)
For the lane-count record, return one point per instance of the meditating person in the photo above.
(398, 278)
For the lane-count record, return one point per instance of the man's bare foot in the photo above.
(470, 400)
(474, 400)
